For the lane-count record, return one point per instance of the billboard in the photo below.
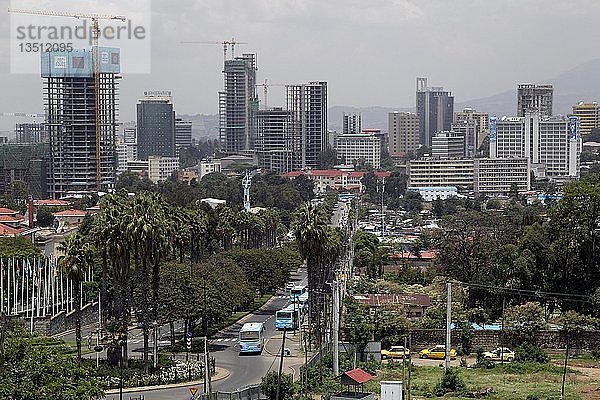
(79, 63)
(493, 127)
(573, 128)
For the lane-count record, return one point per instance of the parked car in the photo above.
(437, 352)
(395, 352)
(500, 354)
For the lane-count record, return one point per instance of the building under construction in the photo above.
(532, 98)
(238, 104)
(308, 106)
(274, 141)
(69, 97)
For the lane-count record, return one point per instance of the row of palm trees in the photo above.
(133, 235)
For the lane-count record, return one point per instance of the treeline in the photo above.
(169, 263)
(509, 255)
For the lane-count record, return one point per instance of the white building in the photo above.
(434, 192)
(357, 148)
(206, 167)
(499, 176)
(448, 144)
(435, 173)
(161, 168)
(554, 142)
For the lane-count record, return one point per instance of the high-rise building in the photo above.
(31, 133)
(403, 128)
(352, 123)
(435, 108)
(589, 116)
(532, 98)
(359, 148)
(553, 142)
(183, 134)
(447, 144)
(469, 130)
(155, 125)
(274, 141)
(27, 163)
(308, 105)
(238, 104)
(480, 118)
(69, 96)
(130, 142)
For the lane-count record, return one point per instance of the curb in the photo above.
(225, 374)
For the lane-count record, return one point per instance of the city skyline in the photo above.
(282, 34)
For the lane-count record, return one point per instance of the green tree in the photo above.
(269, 385)
(526, 319)
(33, 369)
(44, 217)
(77, 258)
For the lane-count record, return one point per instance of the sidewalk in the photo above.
(220, 374)
(295, 360)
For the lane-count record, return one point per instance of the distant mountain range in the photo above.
(581, 83)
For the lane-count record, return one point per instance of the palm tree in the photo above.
(78, 256)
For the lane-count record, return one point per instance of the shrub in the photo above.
(450, 382)
(483, 362)
(530, 352)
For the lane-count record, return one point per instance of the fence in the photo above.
(248, 393)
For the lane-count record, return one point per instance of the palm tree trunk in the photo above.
(77, 285)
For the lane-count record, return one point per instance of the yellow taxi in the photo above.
(395, 352)
(437, 352)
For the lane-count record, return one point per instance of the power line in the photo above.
(531, 293)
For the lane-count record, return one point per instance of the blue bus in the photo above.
(251, 339)
(296, 292)
(288, 318)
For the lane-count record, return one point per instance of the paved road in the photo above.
(247, 369)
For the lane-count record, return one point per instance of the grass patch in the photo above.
(510, 382)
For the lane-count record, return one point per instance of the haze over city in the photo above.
(369, 51)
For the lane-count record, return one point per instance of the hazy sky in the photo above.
(369, 51)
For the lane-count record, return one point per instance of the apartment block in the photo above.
(352, 123)
(31, 133)
(274, 140)
(359, 148)
(403, 133)
(589, 116)
(161, 168)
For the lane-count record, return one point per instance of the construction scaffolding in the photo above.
(71, 125)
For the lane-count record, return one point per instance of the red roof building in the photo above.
(9, 231)
(51, 203)
(335, 179)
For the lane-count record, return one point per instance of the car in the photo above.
(500, 354)
(437, 352)
(395, 352)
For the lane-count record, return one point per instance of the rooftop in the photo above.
(379, 300)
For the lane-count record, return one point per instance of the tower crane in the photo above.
(95, 35)
(227, 44)
(265, 85)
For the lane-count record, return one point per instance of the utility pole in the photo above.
(409, 366)
(336, 328)
(277, 395)
(564, 375)
(448, 324)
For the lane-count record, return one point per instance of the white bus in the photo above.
(296, 292)
(251, 339)
(288, 318)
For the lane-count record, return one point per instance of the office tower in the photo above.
(130, 135)
(469, 130)
(352, 123)
(589, 116)
(553, 143)
(403, 128)
(69, 95)
(480, 118)
(238, 103)
(155, 125)
(183, 134)
(273, 146)
(531, 98)
(359, 148)
(308, 105)
(435, 109)
(31, 133)
(447, 145)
